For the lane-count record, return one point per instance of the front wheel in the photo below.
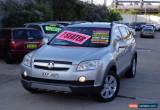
(110, 88)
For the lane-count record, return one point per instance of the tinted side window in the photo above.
(19, 34)
(35, 27)
(34, 34)
(127, 30)
(129, 33)
(123, 32)
(27, 34)
(117, 33)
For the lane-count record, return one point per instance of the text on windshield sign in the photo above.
(74, 37)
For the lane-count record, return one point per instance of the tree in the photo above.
(63, 9)
(114, 15)
(16, 14)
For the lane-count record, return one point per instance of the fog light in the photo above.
(25, 74)
(82, 79)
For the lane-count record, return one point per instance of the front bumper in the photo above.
(59, 86)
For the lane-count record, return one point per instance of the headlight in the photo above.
(88, 65)
(28, 60)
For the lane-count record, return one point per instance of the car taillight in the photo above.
(13, 44)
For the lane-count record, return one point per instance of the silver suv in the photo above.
(87, 57)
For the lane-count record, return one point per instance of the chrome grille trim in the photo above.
(57, 65)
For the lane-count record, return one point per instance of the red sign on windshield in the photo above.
(73, 37)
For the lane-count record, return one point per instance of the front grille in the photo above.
(55, 65)
(62, 82)
(59, 62)
(46, 68)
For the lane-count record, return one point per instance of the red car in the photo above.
(16, 42)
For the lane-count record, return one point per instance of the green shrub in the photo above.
(16, 14)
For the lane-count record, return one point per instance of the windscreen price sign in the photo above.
(74, 37)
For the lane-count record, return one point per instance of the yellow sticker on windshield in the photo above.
(100, 36)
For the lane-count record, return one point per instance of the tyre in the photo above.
(109, 89)
(131, 73)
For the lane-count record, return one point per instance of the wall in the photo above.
(141, 18)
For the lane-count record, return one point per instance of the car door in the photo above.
(131, 45)
(126, 45)
(119, 49)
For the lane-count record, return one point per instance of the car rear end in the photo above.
(23, 41)
(147, 32)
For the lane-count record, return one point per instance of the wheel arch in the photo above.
(111, 66)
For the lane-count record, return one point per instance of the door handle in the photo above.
(124, 48)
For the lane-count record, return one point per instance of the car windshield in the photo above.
(51, 29)
(83, 37)
(27, 34)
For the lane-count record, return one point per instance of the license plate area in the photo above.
(31, 46)
(49, 74)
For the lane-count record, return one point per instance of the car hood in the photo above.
(68, 53)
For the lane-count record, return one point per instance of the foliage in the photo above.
(18, 13)
(114, 15)
(64, 9)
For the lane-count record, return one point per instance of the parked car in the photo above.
(66, 23)
(86, 57)
(148, 32)
(137, 25)
(16, 42)
(49, 30)
(150, 25)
